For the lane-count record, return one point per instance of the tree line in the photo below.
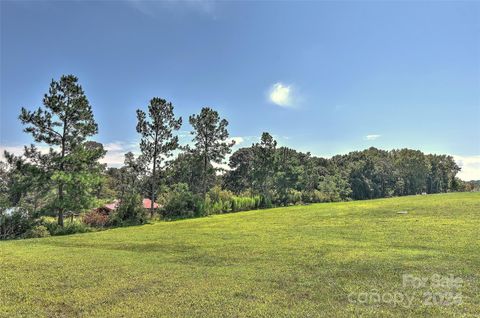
(187, 180)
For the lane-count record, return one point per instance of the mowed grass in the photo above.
(301, 261)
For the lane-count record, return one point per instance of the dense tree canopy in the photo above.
(367, 174)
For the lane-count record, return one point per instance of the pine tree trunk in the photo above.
(154, 177)
(60, 211)
(152, 194)
(60, 186)
(205, 177)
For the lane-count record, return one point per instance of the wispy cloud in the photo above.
(116, 152)
(19, 150)
(184, 134)
(282, 95)
(16, 150)
(238, 140)
(114, 158)
(372, 137)
(470, 167)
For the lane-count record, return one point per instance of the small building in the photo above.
(147, 203)
(108, 208)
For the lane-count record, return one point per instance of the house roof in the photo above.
(146, 204)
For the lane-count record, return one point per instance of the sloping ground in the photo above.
(306, 261)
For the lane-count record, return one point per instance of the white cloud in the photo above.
(114, 146)
(16, 150)
(238, 140)
(281, 95)
(470, 167)
(223, 165)
(19, 150)
(114, 158)
(372, 137)
(116, 152)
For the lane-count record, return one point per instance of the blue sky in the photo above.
(324, 77)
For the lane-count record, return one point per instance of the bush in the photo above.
(294, 196)
(222, 201)
(37, 232)
(130, 211)
(69, 227)
(14, 223)
(201, 206)
(96, 219)
(216, 194)
(216, 207)
(50, 223)
(181, 203)
(265, 202)
(245, 203)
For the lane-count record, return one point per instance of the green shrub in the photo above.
(265, 202)
(294, 196)
(333, 189)
(69, 227)
(72, 227)
(50, 223)
(200, 206)
(239, 203)
(216, 194)
(130, 211)
(37, 232)
(308, 196)
(216, 207)
(14, 223)
(181, 203)
(218, 201)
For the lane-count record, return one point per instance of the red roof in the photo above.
(147, 203)
(114, 205)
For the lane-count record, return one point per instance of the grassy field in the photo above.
(305, 261)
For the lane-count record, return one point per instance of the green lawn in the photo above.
(303, 261)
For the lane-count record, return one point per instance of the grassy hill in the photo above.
(305, 261)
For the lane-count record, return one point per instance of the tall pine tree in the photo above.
(264, 166)
(157, 141)
(64, 123)
(210, 137)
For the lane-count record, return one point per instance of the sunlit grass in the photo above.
(299, 261)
